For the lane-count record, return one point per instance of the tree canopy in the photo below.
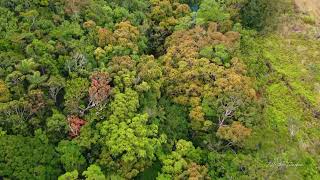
(158, 89)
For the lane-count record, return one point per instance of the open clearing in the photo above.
(311, 6)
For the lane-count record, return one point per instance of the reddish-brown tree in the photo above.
(75, 124)
(100, 88)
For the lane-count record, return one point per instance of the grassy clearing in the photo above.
(289, 131)
(298, 61)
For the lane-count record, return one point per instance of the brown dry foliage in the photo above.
(189, 78)
(236, 133)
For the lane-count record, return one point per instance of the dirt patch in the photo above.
(309, 6)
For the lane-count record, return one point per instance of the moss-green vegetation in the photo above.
(298, 61)
(290, 123)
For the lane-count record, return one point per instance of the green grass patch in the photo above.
(298, 60)
(281, 104)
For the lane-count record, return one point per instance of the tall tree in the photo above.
(179, 163)
(70, 156)
(94, 173)
(130, 143)
(26, 157)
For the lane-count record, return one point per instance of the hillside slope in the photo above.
(310, 6)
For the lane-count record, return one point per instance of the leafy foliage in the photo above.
(94, 173)
(38, 157)
(211, 10)
(71, 156)
(157, 89)
(260, 14)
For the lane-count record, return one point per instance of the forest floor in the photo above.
(310, 6)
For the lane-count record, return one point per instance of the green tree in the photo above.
(73, 175)
(36, 80)
(31, 17)
(128, 137)
(57, 125)
(26, 66)
(14, 115)
(76, 90)
(211, 10)
(66, 31)
(55, 84)
(179, 160)
(174, 121)
(27, 158)
(94, 173)
(71, 156)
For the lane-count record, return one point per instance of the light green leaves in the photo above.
(73, 175)
(94, 173)
(211, 10)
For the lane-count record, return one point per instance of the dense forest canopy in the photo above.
(158, 89)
